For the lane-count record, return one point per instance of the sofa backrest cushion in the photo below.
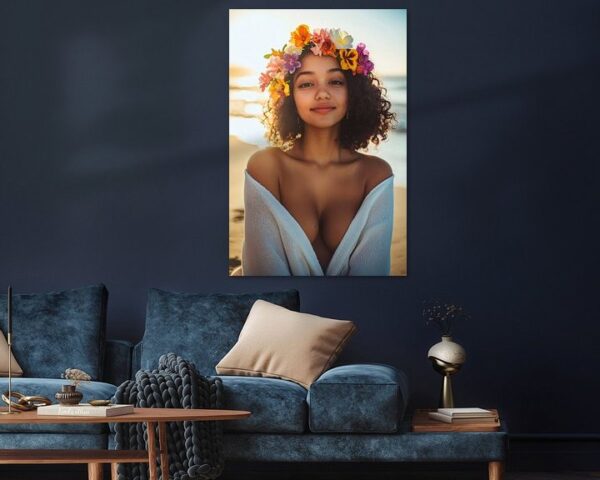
(200, 328)
(58, 330)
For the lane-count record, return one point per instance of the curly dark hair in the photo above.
(369, 116)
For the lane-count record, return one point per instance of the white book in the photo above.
(85, 410)
(461, 420)
(466, 412)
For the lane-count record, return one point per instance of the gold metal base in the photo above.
(446, 369)
(12, 412)
(446, 397)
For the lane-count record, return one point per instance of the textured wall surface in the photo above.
(113, 169)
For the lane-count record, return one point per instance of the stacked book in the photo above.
(464, 415)
(85, 410)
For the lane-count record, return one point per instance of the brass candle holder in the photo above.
(10, 411)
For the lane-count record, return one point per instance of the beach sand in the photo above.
(239, 152)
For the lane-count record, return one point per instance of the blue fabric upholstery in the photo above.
(362, 398)
(136, 358)
(60, 330)
(403, 446)
(117, 361)
(56, 441)
(277, 406)
(47, 387)
(200, 328)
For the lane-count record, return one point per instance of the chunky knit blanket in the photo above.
(195, 448)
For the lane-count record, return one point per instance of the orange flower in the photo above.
(301, 36)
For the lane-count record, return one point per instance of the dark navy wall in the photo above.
(114, 169)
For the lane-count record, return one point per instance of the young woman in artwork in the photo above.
(314, 204)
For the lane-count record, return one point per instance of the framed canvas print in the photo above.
(317, 142)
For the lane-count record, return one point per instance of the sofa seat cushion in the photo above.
(362, 398)
(47, 387)
(59, 330)
(277, 406)
(200, 328)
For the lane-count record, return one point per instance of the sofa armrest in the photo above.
(361, 398)
(117, 361)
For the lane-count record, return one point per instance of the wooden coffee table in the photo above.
(95, 458)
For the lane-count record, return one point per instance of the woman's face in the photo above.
(320, 91)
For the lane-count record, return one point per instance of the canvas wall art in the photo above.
(317, 142)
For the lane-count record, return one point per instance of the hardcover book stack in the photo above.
(464, 415)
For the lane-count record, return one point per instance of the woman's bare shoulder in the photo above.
(376, 170)
(263, 166)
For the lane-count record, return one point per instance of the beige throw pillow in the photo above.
(279, 343)
(16, 369)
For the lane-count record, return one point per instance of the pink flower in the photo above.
(264, 81)
(275, 65)
(323, 43)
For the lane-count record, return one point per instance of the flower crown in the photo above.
(333, 42)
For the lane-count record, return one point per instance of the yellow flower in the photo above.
(301, 36)
(348, 59)
(278, 90)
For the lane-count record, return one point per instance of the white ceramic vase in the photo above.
(448, 351)
(447, 357)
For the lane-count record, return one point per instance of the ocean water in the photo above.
(246, 105)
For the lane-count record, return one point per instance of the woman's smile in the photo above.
(322, 109)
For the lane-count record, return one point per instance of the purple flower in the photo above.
(291, 62)
(365, 66)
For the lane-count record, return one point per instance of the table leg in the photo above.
(114, 474)
(152, 450)
(94, 471)
(495, 470)
(164, 450)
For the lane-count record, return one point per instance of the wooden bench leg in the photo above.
(94, 471)
(152, 471)
(114, 475)
(495, 470)
(164, 450)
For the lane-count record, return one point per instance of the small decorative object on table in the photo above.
(423, 421)
(446, 356)
(69, 395)
(8, 395)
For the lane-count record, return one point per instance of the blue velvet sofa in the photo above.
(351, 413)
(53, 332)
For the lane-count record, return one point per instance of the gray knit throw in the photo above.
(195, 448)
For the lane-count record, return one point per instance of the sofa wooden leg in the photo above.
(495, 470)
(94, 471)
